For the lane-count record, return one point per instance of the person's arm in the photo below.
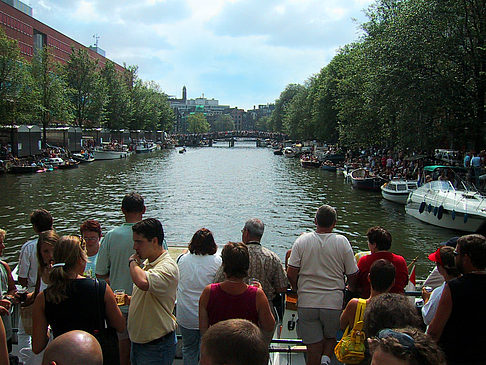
(293, 275)
(139, 276)
(12, 289)
(113, 314)
(102, 269)
(3, 345)
(203, 313)
(265, 317)
(23, 267)
(347, 317)
(40, 336)
(353, 282)
(442, 315)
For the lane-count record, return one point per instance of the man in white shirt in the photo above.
(318, 264)
(41, 221)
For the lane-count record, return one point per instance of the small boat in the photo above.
(54, 161)
(14, 169)
(365, 180)
(83, 157)
(328, 166)
(397, 190)
(110, 151)
(278, 152)
(289, 152)
(70, 164)
(182, 150)
(145, 147)
(440, 203)
(308, 161)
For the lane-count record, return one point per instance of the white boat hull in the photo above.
(454, 209)
(400, 198)
(109, 155)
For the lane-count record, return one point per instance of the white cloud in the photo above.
(242, 52)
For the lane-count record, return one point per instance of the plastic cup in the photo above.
(120, 296)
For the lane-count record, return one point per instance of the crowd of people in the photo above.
(110, 298)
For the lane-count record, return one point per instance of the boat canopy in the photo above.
(436, 167)
(444, 185)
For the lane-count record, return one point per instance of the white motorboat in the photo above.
(110, 152)
(440, 203)
(397, 190)
(145, 147)
(289, 152)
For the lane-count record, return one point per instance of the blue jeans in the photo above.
(191, 340)
(160, 352)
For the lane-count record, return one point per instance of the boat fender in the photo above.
(465, 218)
(440, 212)
(429, 208)
(453, 215)
(436, 210)
(422, 207)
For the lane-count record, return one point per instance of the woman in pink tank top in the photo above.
(233, 298)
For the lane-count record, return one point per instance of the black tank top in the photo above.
(464, 335)
(80, 310)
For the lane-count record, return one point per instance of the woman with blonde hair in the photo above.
(71, 301)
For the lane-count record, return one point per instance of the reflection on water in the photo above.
(218, 188)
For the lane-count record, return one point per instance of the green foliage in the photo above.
(263, 124)
(51, 102)
(86, 88)
(15, 84)
(117, 107)
(223, 122)
(197, 123)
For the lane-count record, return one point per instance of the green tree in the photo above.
(223, 122)
(263, 124)
(49, 89)
(280, 105)
(197, 123)
(86, 88)
(15, 83)
(117, 108)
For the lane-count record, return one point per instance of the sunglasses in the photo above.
(405, 340)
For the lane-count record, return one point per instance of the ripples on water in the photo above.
(218, 188)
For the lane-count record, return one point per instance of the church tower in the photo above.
(184, 94)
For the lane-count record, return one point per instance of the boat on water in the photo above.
(397, 190)
(309, 161)
(145, 147)
(110, 151)
(15, 169)
(441, 204)
(53, 161)
(329, 166)
(289, 152)
(69, 164)
(278, 152)
(182, 150)
(83, 157)
(365, 180)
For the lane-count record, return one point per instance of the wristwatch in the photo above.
(130, 261)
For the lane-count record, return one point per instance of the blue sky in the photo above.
(241, 52)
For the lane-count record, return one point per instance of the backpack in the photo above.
(351, 348)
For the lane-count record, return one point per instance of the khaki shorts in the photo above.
(315, 324)
(124, 335)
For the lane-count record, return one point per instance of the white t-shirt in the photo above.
(196, 271)
(323, 259)
(429, 309)
(28, 262)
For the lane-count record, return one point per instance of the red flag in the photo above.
(412, 276)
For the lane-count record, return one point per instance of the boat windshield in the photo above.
(439, 185)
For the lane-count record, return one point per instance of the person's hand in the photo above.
(425, 295)
(5, 303)
(4, 311)
(127, 299)
(136, 258)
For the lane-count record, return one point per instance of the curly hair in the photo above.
(380, 237)
(390, 311)
(202, 243)
(422, 350)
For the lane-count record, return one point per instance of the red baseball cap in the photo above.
(436, 257)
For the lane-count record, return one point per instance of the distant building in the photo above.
(184, 107)
(17, 21)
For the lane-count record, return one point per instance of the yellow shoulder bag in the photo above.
(351, 348)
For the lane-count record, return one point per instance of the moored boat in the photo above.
(397, 190)
(309, 161)
(145, 147)
(14, 169)
(110, 151)
(289, 152)
(441, 204)
(365, 180)
(83, 157)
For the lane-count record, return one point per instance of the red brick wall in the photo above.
(20, 26)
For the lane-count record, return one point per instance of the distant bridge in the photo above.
(199, 139)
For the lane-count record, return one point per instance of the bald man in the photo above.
(73, 348)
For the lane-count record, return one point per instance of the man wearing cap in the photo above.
(444, 259)
(458, 325)
(435, 279)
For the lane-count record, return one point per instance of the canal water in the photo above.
(218, 188)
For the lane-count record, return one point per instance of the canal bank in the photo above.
(218, 188)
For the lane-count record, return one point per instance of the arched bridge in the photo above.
(199, 139)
